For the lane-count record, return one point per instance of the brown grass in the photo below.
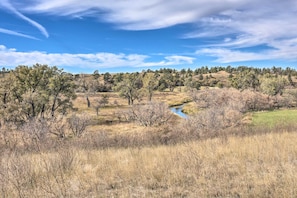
(255, 166)
(107, 119)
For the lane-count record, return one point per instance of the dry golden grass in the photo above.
(107, 119)
(190, 108)
(177, 97)
(255, 166)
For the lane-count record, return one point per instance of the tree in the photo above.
(88, 86)
(36, 92)
(96, 74)
(151, 114)
(245, 79)
(168, 80)
(150, 83)
(107, 78)
(219, 109)
(130, 87)
(273, 85)
(78, 124)
(290, 80)
(101, 103)
(61, 88)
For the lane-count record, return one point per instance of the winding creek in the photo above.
(178, 110)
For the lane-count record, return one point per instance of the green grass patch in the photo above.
(274, 118)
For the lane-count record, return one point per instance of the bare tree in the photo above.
(78, 124)
(151, 114)
(215, 97)
(220, 109)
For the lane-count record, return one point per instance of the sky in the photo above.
(133, 35)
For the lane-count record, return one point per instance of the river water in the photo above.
(178, 110)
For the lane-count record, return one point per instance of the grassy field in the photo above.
(254, 166)
(273, 118)
(257, 164)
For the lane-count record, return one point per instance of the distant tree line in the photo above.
(40, 96)
(134, 86)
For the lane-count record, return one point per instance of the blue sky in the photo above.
(130, 35)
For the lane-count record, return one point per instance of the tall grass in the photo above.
(252, 166)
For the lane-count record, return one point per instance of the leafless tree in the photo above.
(151, 114)
(219, 109)
(78, 124)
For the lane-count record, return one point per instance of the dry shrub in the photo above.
(9, 139)
(151, 114)
(249, 100)
(215, 97)
(78, 124)
(18, 178)
(255, 101)
(36, 129)
(58, 126)
(255, 166)
(220, 109)
(40, 134)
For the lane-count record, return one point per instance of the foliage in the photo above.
(37, 91)
(273, 85)
(130, 87)
(101, 102)
(150, 83)
(245, 80)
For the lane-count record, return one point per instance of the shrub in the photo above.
(151, 114)
(78, 124)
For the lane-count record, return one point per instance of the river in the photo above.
(178, 110)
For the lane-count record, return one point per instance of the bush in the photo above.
(152, 114)
(78, 124)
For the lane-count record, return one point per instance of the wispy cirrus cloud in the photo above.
(134, 15)
(226, 26)
(12, 57)
(6, 31)
(230, 24)
(5, 4)
(224, 55)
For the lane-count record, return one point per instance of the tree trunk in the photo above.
(88, 101)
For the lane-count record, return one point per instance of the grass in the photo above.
(276, 117)
(254, 166)
(257, 165)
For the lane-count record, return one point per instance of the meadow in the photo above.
(258, 161)
(274, 118)
(235, 143)
(252, 166)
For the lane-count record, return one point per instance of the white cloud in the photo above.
(6, 4)
(134, 15)
(12, 57)
(171, 60)
(6, 31)
(223, 55)
(227, 25)
(228, 56)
